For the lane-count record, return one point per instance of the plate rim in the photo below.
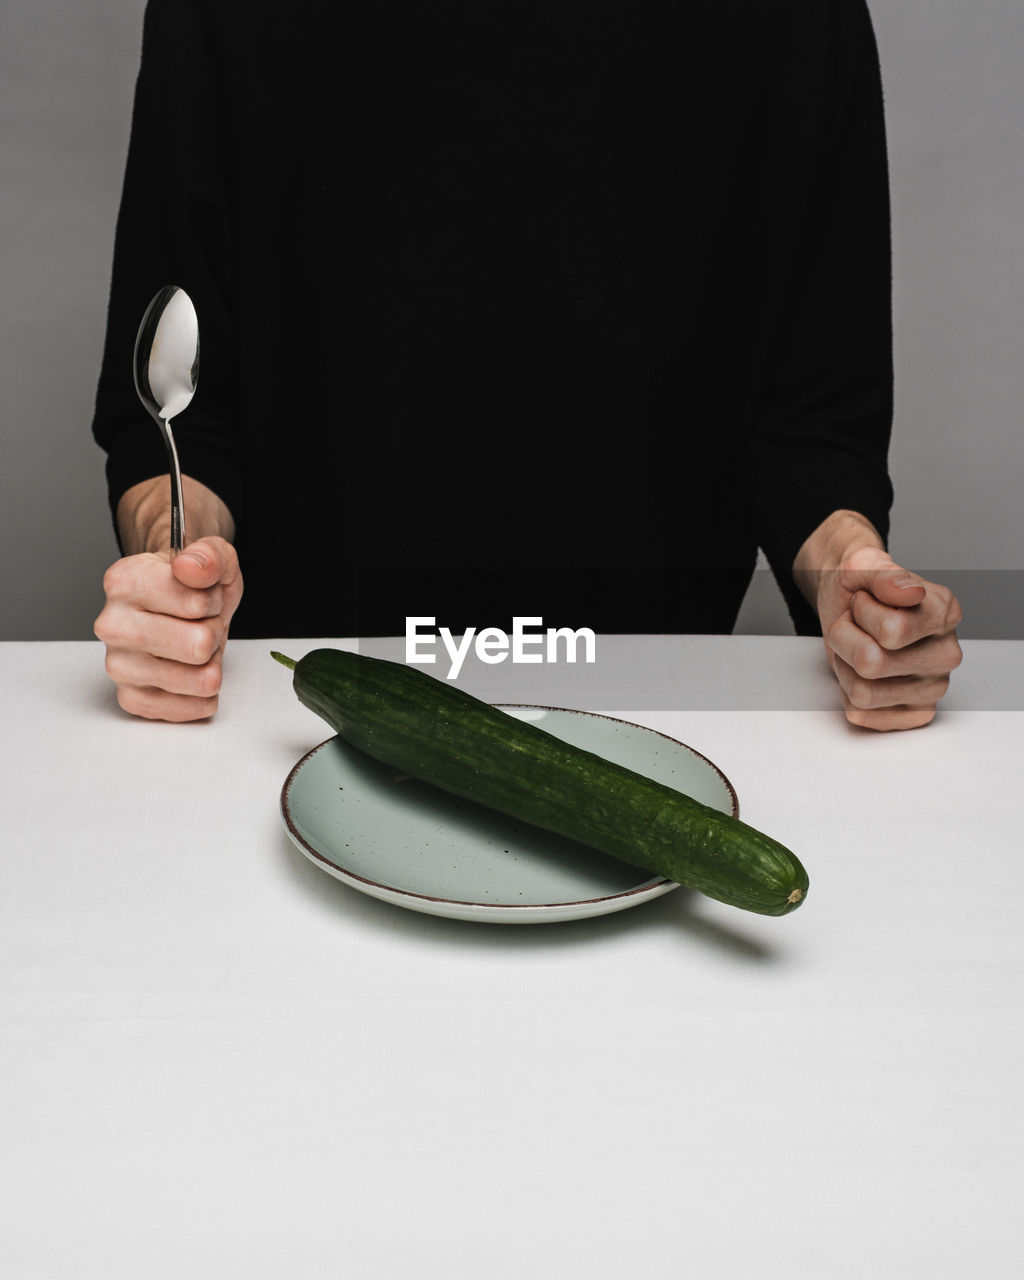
(653, 887)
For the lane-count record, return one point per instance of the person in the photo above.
(528, 308)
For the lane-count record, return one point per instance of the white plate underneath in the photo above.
(409, 843)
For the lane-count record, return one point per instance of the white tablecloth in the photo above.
(218, 1061)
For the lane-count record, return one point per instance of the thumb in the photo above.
(872, 570)
(200, 564)
(895, 587)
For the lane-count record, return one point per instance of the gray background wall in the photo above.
(955, 106)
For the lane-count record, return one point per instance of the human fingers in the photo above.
(178, 678)
(190, 641)
(888, 719)
(164, 636)
(889, 702)
(871, 568)
(894, 625)
(202, 581)
(147, 602)
(163, 668)
(157, 704)
(879, 648)
(888, 582)
(148, 583)
(211, 564)
(157, 689)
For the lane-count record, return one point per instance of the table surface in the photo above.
(219, 1061)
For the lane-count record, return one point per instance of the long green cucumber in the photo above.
(425, 727)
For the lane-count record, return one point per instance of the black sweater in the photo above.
(542, 307)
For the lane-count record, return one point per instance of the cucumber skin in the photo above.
(413, 721)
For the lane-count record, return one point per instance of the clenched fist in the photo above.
(890, 635)
(165, 623)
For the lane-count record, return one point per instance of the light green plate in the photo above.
(404, 841)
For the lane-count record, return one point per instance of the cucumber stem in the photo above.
(285, 662)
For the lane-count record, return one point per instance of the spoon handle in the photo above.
(177, 500)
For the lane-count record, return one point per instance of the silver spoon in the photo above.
(166, 367)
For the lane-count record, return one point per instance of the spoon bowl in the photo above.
(166, 367)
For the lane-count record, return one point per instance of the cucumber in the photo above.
(425, 727)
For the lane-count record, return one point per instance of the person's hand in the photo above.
(165, 625)
(891, 640)
(890, 635)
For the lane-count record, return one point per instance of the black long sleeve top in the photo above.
(534, 307)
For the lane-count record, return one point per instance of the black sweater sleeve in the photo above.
(172, 230)
(820, 432)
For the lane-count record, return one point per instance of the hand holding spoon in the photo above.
(166, 366)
